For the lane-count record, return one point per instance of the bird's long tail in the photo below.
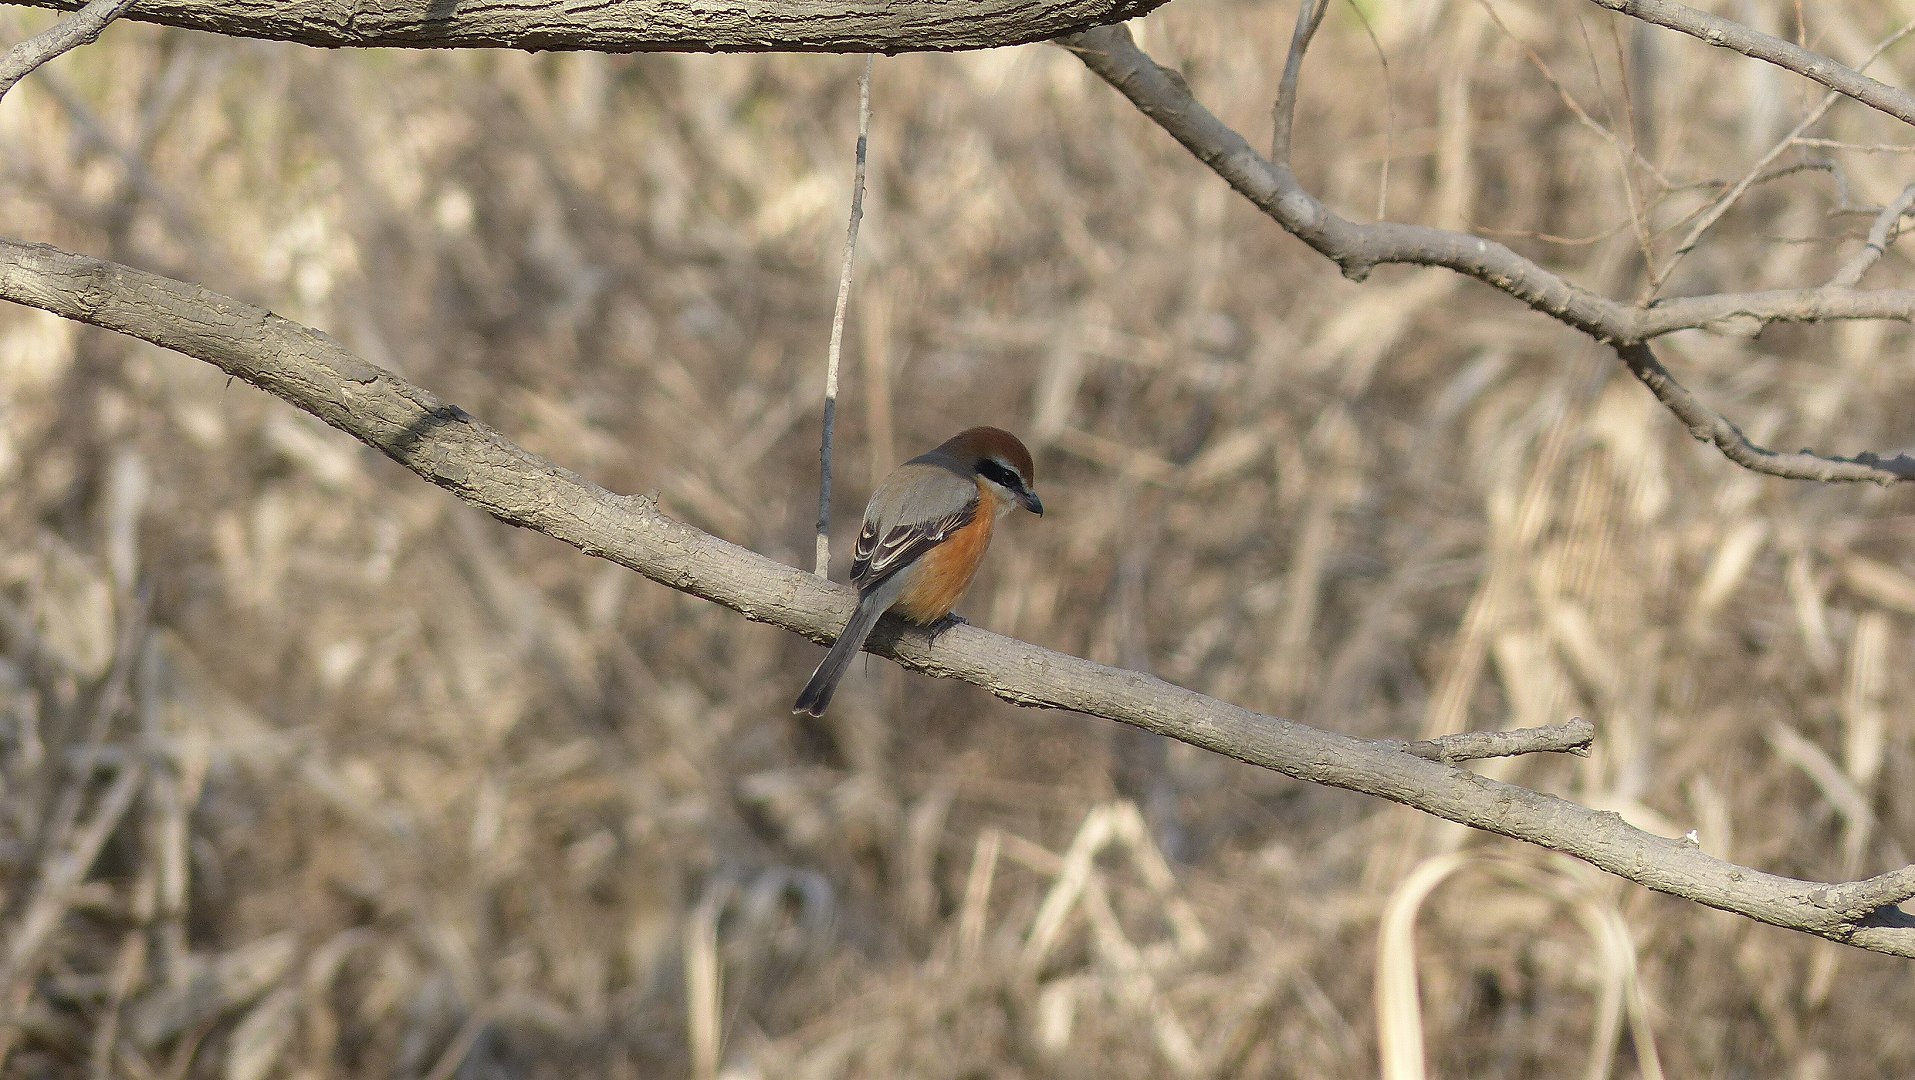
(816, 696)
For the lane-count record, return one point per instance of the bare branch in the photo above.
(83, 27)
(832, 353)
(1356, 249)
(1710, 426)
(1756, 173)
(1629, 152)
(1570, 737)
(1746, 313)
(859, 26)
(1727, 200)
(1857, 148)
(448, 447)
(1284, 112)
(1880, 235)
(1729, 34)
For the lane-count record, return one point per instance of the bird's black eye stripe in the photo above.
(998, 473)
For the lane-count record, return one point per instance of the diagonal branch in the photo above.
(1888, 225)
(1163, 96)
(83, 27)
(445, 445)
(1759, 170)
(1729, 34)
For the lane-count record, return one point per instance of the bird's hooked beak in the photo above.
(1031, 502)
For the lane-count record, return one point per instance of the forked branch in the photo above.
(1163, 96)
(447, 446)
(82, 27)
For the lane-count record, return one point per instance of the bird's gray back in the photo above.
(925, 489)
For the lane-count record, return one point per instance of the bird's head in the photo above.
(998, 459)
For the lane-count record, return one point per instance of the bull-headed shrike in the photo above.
(925, 531)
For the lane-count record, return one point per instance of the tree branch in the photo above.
(1570, 737)
(83, 27)
(1163, 96)
(1729, 34)
(1888, 225)
(1710, 426)
(886, 26)
(834, 351)
(1283, 114)
(448, 447)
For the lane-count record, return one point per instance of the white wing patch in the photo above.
(878, 557)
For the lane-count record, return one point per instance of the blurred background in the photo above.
(310, 770)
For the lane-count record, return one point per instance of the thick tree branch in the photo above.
(1729, 34)
(1163, 96)
(450, 448)
(83, 27)
(886, 26)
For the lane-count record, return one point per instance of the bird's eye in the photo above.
(1000, 474)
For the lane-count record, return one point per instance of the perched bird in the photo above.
(925, 531)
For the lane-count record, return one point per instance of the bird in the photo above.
(925, 531)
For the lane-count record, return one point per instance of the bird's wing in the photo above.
(882, 552)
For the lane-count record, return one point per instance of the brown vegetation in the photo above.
(308, 768)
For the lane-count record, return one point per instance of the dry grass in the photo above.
(310, 771)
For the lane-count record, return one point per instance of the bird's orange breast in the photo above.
(944, 572)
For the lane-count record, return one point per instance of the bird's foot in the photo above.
(947, 621)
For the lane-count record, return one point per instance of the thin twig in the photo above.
(83, 27)
(1859, 148)
(1660, 275)
(1880, 235)
(1569, 100)
(1815, 115)
(1283, 112)
(823, 564)
(64, 873)
(1389, 113)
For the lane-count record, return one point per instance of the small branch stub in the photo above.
(1574, 736)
